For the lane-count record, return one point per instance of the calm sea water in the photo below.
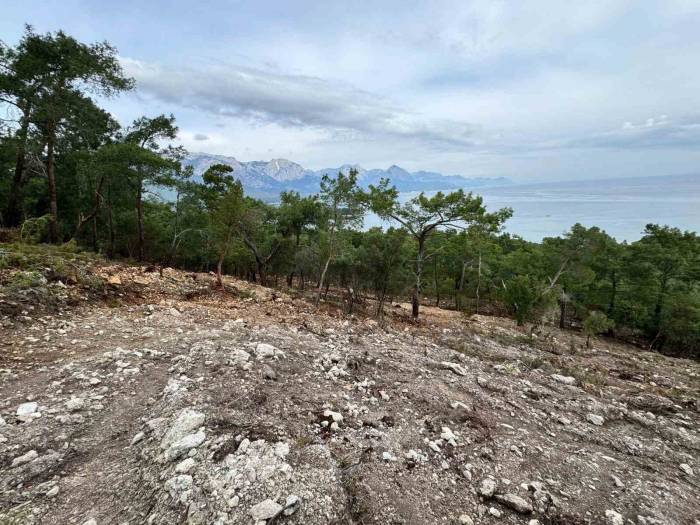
(621, 207)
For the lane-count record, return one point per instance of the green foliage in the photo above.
(596, 323)
(35, 230)
(124, 192)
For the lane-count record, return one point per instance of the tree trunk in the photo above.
(613, 294)
(562, 309)
(219, 270)
(13, 211)
(110, 223)
(320, 282)
(50, 173)
(435, 280)
(419, 272)
(139, 220)
(460, 287)
(478, 285)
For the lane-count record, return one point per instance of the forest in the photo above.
(70, 173)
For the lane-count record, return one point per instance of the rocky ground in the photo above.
(166, 402)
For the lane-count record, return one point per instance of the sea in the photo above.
(622, 207)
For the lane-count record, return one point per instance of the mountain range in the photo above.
(266, 180)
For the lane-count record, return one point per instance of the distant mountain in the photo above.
(266, 180)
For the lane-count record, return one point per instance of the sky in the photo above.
(530, 90)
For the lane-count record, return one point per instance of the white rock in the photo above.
(187, 421)
(91, 521)
(243, 446)
(2, 421)
(595, 419)
(466, 520)
(184, 445)
(27, 411)
(454, 367)
(564, 380)
(686, 468)
(614, 518)
(487, 487)
(265, 510)
(263, 350)
(337, 417)
(137, 438)
(75, 403)
(25, 458)
(495, 512)
(178, 485)
(388, 456)
(184, 466)
(449, 436)
(291, 504)
(53, 492)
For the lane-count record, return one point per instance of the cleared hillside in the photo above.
(134, 397)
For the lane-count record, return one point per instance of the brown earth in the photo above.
(159, 404)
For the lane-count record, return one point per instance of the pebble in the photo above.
(454, 367)
(265, 510)
(595, 419)
(25, 458)
(53, 492)
(269, 373)
(686, 468)
(465, 520)
(515, 502)
(291, 504)
(27, 411)
(487, 487)
(184, 466)
(614, 518)
(564, 380)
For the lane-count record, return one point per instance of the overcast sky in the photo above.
(531, 90)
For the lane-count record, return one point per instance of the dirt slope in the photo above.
(178, 405)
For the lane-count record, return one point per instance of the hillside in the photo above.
(134, 397)
(265, 180)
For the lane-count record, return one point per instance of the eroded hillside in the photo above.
(128, 396)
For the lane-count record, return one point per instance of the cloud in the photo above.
(200, 136)
(654, 132)
(293, 100)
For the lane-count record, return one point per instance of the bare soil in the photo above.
(398, 423)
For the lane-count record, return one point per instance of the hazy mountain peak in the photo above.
(267, 179)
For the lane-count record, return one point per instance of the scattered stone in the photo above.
(454, 367)
(495, 512)
(614, 518)
(564, 380)
(27, 411)
(515, 502)
(179, 486)
(388, 456)
(25, 458)
(465, 520)
(187, 421)
(686, 468)
(184, 445)
(53, 492)
(487, 487)
(184, 466)
(263, 350)
(291, 505)
(595, 419)
(137, 438)
(269, 373)
(265, 510)
(75, 403)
